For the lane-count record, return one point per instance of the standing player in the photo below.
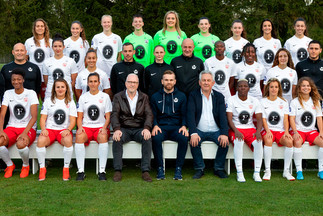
(283, 70)
(268, 44)
(240, 109)
(236, 42)
(58, 117)
(93, 119)
(170, 37)
(142, 42)
(297, 45)
(108, 46)
(21, 128)
(59, 66)
(204, 41)
(76, 46)
(305, 112)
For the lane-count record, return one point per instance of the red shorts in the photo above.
(13, 134)
(55, 135)
(92, 134)
(307, 136)
(248, 136)
(277, 135)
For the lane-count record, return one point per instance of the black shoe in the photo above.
(80, 176)
(220, 173)
(198, 174)
(102, 176)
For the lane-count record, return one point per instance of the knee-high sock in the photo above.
(24, 154)
(298, 159)
(80, 156)
(320, 158)
(268, 151)
(67, 151)
(288, 155)
(4, 154)
(103, 156)
(41, 154)
(238, 151)
(257, 154)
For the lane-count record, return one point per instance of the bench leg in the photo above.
(227, 166)
(34, 165)
(97, 166)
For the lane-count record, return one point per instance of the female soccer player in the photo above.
(59, 66)
(251, 70)
(81, 86)
(58, 117)
(236, 42)
(93, 119)
(275, 112)
(204, 41)
(305, 111)
(76, 46)
(240, 109)
(268, 44)
(298, 44)
(170, 37)
(283, 70)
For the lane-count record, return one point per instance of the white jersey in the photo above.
(58, 113)
(287, 78)
(266, 50)
(81, 80)
(297, 48)
(222, 71)
(254, 74)
(274, 112)
(107, 48)
(58, 68)
(242, 111)
(94, 108)
(233, 48)
(305, 118)
(77, 51)
(19, 107)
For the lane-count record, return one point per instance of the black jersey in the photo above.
(2, 84)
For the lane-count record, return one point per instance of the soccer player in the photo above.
(58, 117)
(305, 112)
(108, 46)
(142, 42)
(170, 37)
(240, 109)
(268, 44)
(21, 128)
(76, 45)
(93, 119)
(204, 41)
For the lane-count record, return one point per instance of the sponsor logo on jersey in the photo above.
(93, 112)
(19, 111)
(285, 83)
(307, 119)
(236, 56)
(75, 55)
(39, 55)
(274, 118)
(140, 52)
(193, 67)
(58, 73)
(207, 51)
(171, 47)
(175, 100)
(30, 69)
(244, 117)
(251, 80)
(269, 56)
(59, 116)
(107, 51)
(219, 77)
(301, 54)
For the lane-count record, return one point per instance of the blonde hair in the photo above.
(178, 29)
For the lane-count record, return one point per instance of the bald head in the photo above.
(19, 52)
(188, 47)
(19, 46)
(132, 83)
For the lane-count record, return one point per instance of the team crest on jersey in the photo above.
(250, 106)
(281, 106)
(213, 41)
(226, 66)
(67, 106)
(135, 71)
(64, 64)
(146, 41)
(175, 100)
(101, 100)
(321, 68)
(179, 37)
(30, 69)
(115, 41)
(194, 67)
(257, 70)
(275, 46)
(313, 107)
(25, 99)
(290, 74)
(81, 47)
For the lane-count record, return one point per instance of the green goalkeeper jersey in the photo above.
(204, 46)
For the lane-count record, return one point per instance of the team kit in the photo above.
(167, 87)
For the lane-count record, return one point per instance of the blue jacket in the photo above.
(194, 111)
(169, 109)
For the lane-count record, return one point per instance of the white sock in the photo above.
(320, 158)
(24, 154)
(238, 151)
(4, 154)
(298, 159)
(288, 155)
(67, 151)
(268, 152)
(80, 156)
(41, 154)
(257, 154)
(103, 156)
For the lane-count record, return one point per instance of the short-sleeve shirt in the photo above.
(77, 51)
(298, 48)
(81, 80)
(233, 48)
(204, 46)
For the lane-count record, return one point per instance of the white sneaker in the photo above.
(288, 176)
(256, 177)
(240, 177)
(267, 175)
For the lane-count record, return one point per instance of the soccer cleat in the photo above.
(102, 176)
(160, 173)
(178, 174)
(198, 174)
(320, 175)
(240, 177)
(80, 176)
(66, 174)
(24, 171)
(299, 175)
(256, 177)
(267, 175)
(42, 174)
(288, 176)
(9, 170)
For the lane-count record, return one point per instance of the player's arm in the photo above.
(2, 117)
(119, 57)
(45, 79)
(79, 122)
(78, 93)
(109, 92)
